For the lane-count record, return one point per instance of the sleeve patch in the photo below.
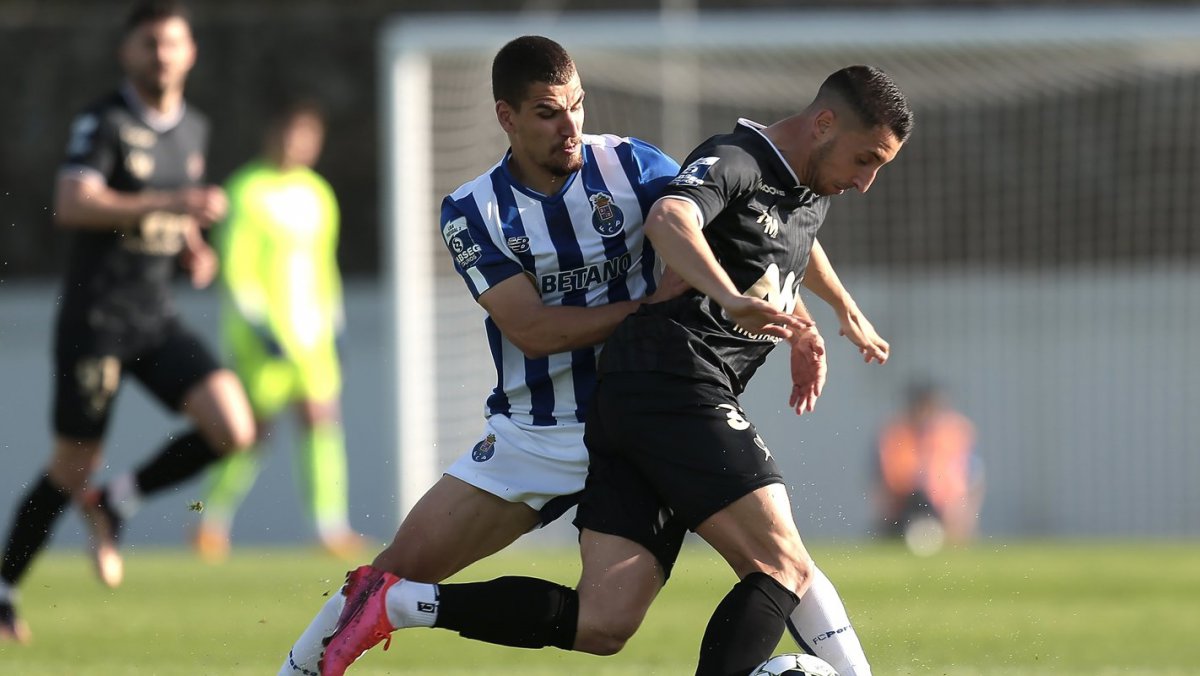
(82, 129)
(458, 237)
(695, 172)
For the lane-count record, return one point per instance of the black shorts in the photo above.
(666, 452)
(88, 370)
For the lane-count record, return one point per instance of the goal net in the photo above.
(1050, 188)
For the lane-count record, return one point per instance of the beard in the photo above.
(813, 169)
(566, 167)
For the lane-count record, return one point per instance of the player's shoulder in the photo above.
(107, 109)
(194, 118)
(612, 142)
(482, 182)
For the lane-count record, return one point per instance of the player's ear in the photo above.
(506, 116)
(824, 123)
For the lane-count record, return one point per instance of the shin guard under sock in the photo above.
(746, 626)
(521, 612)
(31, 526)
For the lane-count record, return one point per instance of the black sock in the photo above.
(31, 527)
(177, 462)
(746, 626)
(522, 612)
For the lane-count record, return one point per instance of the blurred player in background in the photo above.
(929, 479)
(550, 243)
(281, 319)
(132, 193)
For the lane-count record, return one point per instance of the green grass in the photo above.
(1070, 609)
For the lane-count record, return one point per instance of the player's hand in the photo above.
(207, 204)
(758, 317)
(200, 263)
(808, 370)
(670, 286)
(860, 331)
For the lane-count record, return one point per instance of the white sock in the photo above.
(7, 593)
(412, 604)
(123, 496)
(305, 656)
(821, 626)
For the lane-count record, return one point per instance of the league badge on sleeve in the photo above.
(607, 217)
(695, 172)
(462, 245)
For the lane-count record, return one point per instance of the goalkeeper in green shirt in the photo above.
(281, 317)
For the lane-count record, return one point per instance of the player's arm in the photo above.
(673, 227)
(540, 330)
(821, 279)
(197, 257)
(240, 247)
(808, 363)
(83, 200)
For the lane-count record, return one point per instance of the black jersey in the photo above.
(118, 279)
(761, 224)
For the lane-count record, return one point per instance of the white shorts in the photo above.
(543, 467)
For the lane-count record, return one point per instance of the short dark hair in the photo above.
(526, 60)
(155, 10)
(284, 110)
(873, 97)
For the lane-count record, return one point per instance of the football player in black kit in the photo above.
(670, 448)
(131, 193)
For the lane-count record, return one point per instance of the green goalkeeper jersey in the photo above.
(278, 250)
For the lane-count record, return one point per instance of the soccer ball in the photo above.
(794, 664)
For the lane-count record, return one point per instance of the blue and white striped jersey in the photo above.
(582, 246)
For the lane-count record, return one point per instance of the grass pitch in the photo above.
(1070, 609)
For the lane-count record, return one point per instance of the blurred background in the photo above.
(1033, 250)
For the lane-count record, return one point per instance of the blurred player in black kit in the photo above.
(131, 192)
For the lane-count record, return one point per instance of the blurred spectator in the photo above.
(929, 478)
(281, 321)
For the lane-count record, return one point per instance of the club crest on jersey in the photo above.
(607, 217)
(484, 450)
(458, 237)
(695, 172)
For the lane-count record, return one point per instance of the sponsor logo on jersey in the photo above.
(586, 277)
(782, 293)
(770, 189)
(607, 217)
(517, 245)
(695, 172)
(458, 238)
(485, 449)
(140, 164)
(138, 137)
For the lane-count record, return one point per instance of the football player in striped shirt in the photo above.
(549, 241)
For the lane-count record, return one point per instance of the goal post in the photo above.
(1030, 89)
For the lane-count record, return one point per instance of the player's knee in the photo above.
(604, 635)
(230, 434)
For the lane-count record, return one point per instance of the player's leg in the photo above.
(84, 387)
(182, 374)
(692, 444)
(621, 576)
(323, 476)
(757, 537)
(453, 525)
(270, 384)
(821, 627)
(461, 519)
